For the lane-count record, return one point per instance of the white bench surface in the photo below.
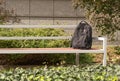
(48, 50)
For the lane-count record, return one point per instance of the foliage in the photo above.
(103, 14)
(86, 58)
(117, 50)
(33, 43)
(69, 73)
(83, 59)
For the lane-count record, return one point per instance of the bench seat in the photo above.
(47, 50)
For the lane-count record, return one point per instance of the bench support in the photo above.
(104, 59)
(105, 51)
(77, 58)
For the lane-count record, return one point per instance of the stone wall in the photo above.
(45, 11)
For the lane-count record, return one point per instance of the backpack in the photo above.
(82, 37)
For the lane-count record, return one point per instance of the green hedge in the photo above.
(69, 73)
(117, 50)
(33, 43)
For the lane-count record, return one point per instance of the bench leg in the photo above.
(105, 59)
(77, 58)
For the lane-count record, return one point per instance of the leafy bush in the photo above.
(33, 43)
(102, 14)
(117, 50)
(69, 73)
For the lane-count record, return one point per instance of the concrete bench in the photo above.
(51, 50)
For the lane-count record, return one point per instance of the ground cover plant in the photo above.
(62, 73)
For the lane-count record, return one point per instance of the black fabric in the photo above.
(82, 37)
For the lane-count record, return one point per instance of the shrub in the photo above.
(69, 73)
(117, 50)
(33, 43)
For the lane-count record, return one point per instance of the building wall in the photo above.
(45, 11)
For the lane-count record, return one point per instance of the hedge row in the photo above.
(61, 73)
(33, 43)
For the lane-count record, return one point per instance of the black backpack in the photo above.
(82, 37)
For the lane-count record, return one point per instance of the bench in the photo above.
(51, 50)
